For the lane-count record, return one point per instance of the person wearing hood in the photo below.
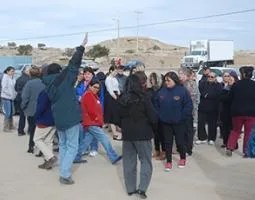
(66, 110)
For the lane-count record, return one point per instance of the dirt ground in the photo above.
(208, 175)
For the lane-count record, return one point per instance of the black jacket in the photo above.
(209, 96)
(137, 117)
(19, 85)
(243, 98)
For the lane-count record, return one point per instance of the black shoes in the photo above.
(131, 193)
(141, 194)
(30, 150)
(79, 161)
(21, 133)
(40, 154)
(117, 160)
(66, 181)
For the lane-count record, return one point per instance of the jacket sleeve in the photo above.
(74, 64)
(25, 96)
(151, 111)
(187, 105)
(5, 87)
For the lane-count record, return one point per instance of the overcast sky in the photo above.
(33, 19)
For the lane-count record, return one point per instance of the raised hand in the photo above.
(85, 40)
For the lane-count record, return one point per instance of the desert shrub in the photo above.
(156, 47)
(98, 51)
(12, 45)
(130, 51)
(25, 49)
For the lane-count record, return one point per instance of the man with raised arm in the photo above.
(66, 110)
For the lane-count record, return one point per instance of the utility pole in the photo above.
(137, 30)
(118, 37)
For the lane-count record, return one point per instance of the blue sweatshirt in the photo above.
(174, 105)
(43, 113)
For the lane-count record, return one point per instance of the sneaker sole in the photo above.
(167, 170)
(181, 167)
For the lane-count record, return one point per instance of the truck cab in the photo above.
(210, 53)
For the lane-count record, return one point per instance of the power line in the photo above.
(134, 27)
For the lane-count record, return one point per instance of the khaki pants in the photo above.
(43, 139)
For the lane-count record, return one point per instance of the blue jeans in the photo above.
(68, 147)
(83, 147)
(7, 106)
(98, 133)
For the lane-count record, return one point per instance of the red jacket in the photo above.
(92, 112)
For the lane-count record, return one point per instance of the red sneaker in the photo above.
(182, 163)
(168, 166)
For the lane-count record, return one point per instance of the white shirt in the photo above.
(112, 85)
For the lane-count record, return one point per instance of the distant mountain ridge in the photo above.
(154, 53)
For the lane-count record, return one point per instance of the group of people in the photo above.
(78, 105)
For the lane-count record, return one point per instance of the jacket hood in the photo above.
(47, 80)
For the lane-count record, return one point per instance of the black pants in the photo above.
(22, 118)
(31, 131)
(211, 120)
(158, 139)
(178, 131)
(189, 134)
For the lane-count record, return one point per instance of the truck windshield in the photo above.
(197, 53)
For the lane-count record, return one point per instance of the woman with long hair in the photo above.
(8, 95)
(174, 106)
(137, 118)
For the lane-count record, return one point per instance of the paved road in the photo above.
(209, 175)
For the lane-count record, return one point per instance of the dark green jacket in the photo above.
(60, 88)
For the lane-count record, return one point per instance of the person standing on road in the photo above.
(186, 79)
(29, 97)
(45, 130)
(8, 95)
(174, 107)
(66, 110)
(208, 109)
(92, 115)
(20, 83)
(242, 109)
(137, 118)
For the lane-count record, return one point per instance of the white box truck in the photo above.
(210, 53)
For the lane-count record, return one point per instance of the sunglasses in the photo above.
(211, 76)
(226, 76)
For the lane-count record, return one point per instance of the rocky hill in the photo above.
(153, 53)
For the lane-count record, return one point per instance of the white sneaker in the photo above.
(93, 153)
(211, 142)
(200, 142)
